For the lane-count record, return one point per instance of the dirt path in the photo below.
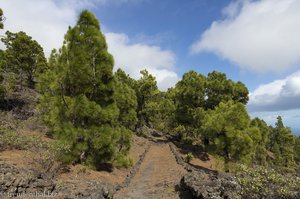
(157, 177)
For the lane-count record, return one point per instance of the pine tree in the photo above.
(228, 131)
(164, 118)
(24, 57)
(282, 145)
(240, 93)
(125, 78)
(220, 89)
(78, 96)
(126, 100)
(190, 95)
(160, 111)
(147, 93)
(155, 108)
(261, 150)
(276, 131)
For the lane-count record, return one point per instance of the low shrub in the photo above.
(267, 183)
(188, 157)
(49, 157)
(60, 150)
(10, 139)
(123, 161)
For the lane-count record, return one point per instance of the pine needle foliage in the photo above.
(78, 96)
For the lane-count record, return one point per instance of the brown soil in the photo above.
(211, 163)
(18, 158)
(203, 160)
(157, 177)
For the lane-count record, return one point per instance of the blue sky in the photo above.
(256, 42)
(172, 25)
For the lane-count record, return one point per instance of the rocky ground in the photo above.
(19, 178)
(158, 170)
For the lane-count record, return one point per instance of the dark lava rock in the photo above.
(199, 185)
(14, 181)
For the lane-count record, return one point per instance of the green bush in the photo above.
(180, 131)
(123, 161)
(188, 157)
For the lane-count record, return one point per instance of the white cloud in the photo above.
(47, 21)
(260, 36)
(233, 8)
(138, 56)
(278, 95)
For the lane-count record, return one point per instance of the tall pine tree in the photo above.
(78, 96)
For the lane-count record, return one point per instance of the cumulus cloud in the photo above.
(260, 36)
(278, 95)
(47, 21)
(138, 56)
